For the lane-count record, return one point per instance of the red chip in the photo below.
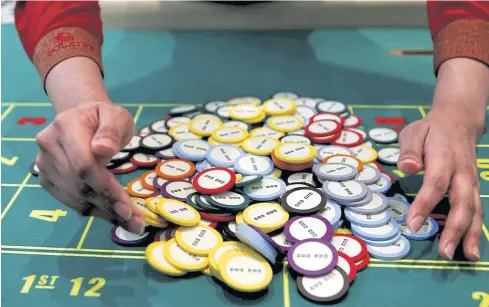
(353, 121)
(363, 263)
(124, 168)
(392, 178)
(326, 139)
(351, 263)
(328, 116)
(144, 160)
(322, 128)
(214, 180)
(349, 138)
(217, 217)
(346, 243)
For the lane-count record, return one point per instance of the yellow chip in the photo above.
(364, 153)
(200, 116)
(260, 145)
(139, 204)
(276, 173)
(178, 212)
(279, 106)
(236, 123)
(204, 126)
(159, 223)
(198, 240)
(266, 216)
(207, 271)
(152, 202)
(265, 131)
(245, 112)
(156, 259)
(245, 272)
(239, 218)
(230, 135)
(257, 120)
(285, 123)
(183, 260)
(217, 252)
(295, 153)
(244, 100)
(182, 132)
(239, 177)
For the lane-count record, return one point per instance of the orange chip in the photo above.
(293, 167)
(175, 169)
(136, 189)
(345, 159)
(147, 180)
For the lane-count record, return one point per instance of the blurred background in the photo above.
(185, 15)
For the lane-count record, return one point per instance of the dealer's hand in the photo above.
(444, 142)
(74, 151)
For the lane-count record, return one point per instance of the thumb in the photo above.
(411, 141)
(115, 130)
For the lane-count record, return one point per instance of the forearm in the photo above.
(463, 86)
(75, 81)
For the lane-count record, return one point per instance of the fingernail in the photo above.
(450, 250)
(475, 251)
(123, 210)
(416, 223)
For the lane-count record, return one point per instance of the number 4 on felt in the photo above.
(48, 215)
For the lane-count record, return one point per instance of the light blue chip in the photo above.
(248, 180)
(377, 204)
(191, 150)
(361, 202)
(382, 233)
(331, 212)
(253, 165)
(383, 243)
(429, 229)
(382, 185)
(368, 220)
(223, 155)
(250, 237)
(398, 250)
(268, 188)
(398, 207)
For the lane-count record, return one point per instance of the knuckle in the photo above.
(438, 182)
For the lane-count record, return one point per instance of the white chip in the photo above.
(194, 147)
(312, 256)
(347, 245)
(121, 155)
(305, 113)
(224, 111)
(288, 95)
(389, 155)
(144, 158)
(182, 132)
(278, 105)
(182, 109)
(295, 151)
(156, 141)
(348, 137)
(199, 238)
(133, 144)
(260, 144)
(175, 121)
(325, 286)
(286, 123)
(250, 164)
(159, 126)
(125, 235)
(295, 138)
(180, 189)
(214, 179)
(306, 101)
(344, 160)
(265, 131)
(302, 177)
(205, 125)
(265, 187)
(212, 106)
(331, 107)
(383, 135)
(229, 198)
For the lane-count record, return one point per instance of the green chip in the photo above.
(229, 200)
(192, 201)
(202, 202)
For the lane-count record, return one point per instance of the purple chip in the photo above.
(177, 189)
(313, 257)
(269, 239)
(302, 228)
(125, 238)
(158, 182)
(165, 154)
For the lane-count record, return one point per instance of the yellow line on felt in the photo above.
(85, 232)
(19, 184)
(138, 113)
(421, 110)
(350, 108)
(73, 255)
(434, 261)
(373, 106)
(71, 249)
(17, 193)
(485, 231)
(9, 109)
(429, 267)
(285, 275)
(18, 139)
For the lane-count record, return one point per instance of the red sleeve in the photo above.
(52, 31)
(459, 29)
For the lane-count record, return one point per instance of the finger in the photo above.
(437, 178)
(53, 190)
(460, 216)
(137, 225)
(411, 141)
(115, 130)
(473, 235)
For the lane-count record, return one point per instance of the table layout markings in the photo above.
(138, 113)
(16, 195)
(429, 267)
(61, 254)
(72, 249)
(8, 139)
(422, 111)
(85, 233)
(285, 276)
(7, 112)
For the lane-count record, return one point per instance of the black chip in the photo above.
(306, 291)
(184, 109)
(34, 169)
(303, 200)
(158, 126)
(156, 142)
(229, 232)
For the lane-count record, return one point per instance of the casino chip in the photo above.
(429, 229)
(135, 188)
(352, 246)
(349, 138)
(365, 153)
(214, 180)
(348, 265)
(345, 191)
(312, 257)
(230, 135)
(133, 144)
(302, 228)
(246, 180)
(322, 128)
(267, 217)
(376, 204)
(268, 188)
(335, 171)
(177, 189)
(182, 132)
(295, 153)
(260, 145)
(182, 110)
(383, 185)
(125, 238)
(399, 209)
(229, 200)
(204, 126)
(368, 220)
(353, 121)
(158, 126)
(328, 106)
(332, 150)
(382, 243)
(197, 240)
(250, 236)
(369, 175)
(174, 169)
(144, 160)
(331, 211)
(381, 233)
(383, 135)
(295, 138)
(301, 177)
(331, 287)
(288, 95)
(244, 100)
(285, 123)
(303, 201)
(389, 155)
(344, 159)
(191, 150)
(223, 155)
(155, 257)
(182, 260)
(279, 106)
(265, 131)
(157, 141)
(178, 212)
(398, 250)
(253, 165)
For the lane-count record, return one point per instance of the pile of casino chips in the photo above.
(238, 187)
